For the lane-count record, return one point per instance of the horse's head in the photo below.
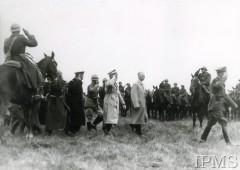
(48, 66)
(195, 84)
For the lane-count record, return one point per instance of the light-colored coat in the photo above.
(138, 98)
(111, 102)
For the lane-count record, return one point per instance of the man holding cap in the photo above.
(75, 102)
(216, 105)
(111, 103)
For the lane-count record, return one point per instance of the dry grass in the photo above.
(166, 145)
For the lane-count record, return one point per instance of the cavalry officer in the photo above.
(92, 105)
(175, 90)
(216, 105)
(15, 46)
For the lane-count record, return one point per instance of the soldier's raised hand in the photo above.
(26, 32)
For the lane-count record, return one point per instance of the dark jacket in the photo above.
(75, 102)
(30, 73)
(206, 79)
(56, 111)
(218, 96)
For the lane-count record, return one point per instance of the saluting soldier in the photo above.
(102, 92)
(175, 89)
(92, 105)
(111, 103)
(16, 44)
(75, 102)
(216, 105)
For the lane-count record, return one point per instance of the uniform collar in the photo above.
(15, 34)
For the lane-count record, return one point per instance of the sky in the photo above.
(162, 38)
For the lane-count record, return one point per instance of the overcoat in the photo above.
(138, 98)
(56, 111)
(111, 102)
(74, 99)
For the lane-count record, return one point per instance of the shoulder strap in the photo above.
(14, 39)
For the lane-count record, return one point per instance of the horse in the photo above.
(13, 90)
(163, 103)
(235, 96)
(176, 106)
(199, 100)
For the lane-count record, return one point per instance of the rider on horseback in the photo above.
(165, 87)
(15, 45)
(205, 78)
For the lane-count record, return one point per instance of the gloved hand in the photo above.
(26, 32)
(124, 107)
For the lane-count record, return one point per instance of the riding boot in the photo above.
(138, 129)
(98, 119)
(89, 126)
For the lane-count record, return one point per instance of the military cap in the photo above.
(15, 27)
(204, 68)
(94, 77)
(114, 72)
(166, 80)
(79, 72)
(104, 80)
(175, 84)
(221, 69)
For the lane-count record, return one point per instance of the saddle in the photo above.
(12, 63)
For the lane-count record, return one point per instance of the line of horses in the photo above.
(165, 106)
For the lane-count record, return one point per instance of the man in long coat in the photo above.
(75, 102)
(18, 44)
(138, 108)
(111, 103)
(56, 108)
(216, 105)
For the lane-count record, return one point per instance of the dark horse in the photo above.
(14, 90)
(199, 100)
(163, 103)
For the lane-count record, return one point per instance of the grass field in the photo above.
(166, 145)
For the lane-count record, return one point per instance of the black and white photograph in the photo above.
(119, 84)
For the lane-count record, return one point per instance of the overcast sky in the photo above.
(163, 38)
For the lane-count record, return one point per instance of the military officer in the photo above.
(16, 44)
(92, 105)
(175, 89)
(216, 105)
(74, 99)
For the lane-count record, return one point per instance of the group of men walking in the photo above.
(104, 103)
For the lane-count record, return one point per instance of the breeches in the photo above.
(90, 111)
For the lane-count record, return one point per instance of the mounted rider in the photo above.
(175, 90)
(205, 78)
(14, 49)
(165, 87)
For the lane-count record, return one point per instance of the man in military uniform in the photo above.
(204, 77)
(175, 90)
(102, 92)
(216, 105)
(121, 88)
(238, 87)
(74, 99)
(165, 87)
(182, 91)
(16, 44)
(92, 105)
